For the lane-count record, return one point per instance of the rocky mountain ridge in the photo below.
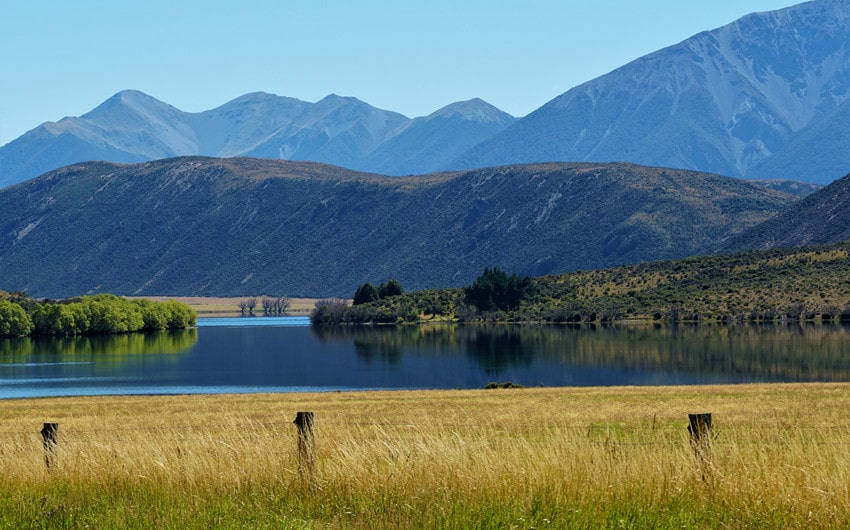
(726, 101)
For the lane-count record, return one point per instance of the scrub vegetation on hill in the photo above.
(227, 227)
(811, 283)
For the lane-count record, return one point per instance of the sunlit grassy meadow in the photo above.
(206, 306)
(597, 457)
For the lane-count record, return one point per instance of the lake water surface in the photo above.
(245, 355)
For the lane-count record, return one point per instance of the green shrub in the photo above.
(14, 321)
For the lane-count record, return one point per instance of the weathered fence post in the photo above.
(49, 439)
(306, 446)
(699, 425)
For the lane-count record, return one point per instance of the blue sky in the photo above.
(64, 58)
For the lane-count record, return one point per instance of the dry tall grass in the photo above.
(603, 457)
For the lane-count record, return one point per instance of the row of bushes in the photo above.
(91, 315)
(272, 305)
(334, 311)
(493, 291)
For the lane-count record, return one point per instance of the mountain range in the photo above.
(133, 127)
(765, 97)
(208, 226)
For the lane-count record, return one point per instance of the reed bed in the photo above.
(523, 458)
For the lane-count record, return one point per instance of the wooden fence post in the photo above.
(49, 439)
(699, 426)
(306, 445)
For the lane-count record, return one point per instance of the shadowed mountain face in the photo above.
(204, 226)
(821, 218)
(758, 98)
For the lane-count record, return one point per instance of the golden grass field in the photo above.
(209, 306)
(509, 458)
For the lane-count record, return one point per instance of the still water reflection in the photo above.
(277, 355)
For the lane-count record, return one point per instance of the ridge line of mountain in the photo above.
(764, 97)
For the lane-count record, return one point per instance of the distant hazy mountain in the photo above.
(133, 127)
(765, 97)
(241, 225)
(428, 144)
(244, 124)
(128, 127)
(756, 98)
(335, 130)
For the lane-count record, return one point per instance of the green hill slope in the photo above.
(811, 283)
(203, 226)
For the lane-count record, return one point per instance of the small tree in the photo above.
(390, 288)
(408, 312)
(494, 290)
(327, 312)
(268, 305)
(14, 321)
(282, 304)
(366, 293)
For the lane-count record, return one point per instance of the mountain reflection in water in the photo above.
(248, 355)
(807, 352)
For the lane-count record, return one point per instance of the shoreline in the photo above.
(739, 389)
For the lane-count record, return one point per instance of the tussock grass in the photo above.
(597, 457)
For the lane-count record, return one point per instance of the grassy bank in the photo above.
(598, 457)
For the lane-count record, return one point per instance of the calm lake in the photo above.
(245, 355)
